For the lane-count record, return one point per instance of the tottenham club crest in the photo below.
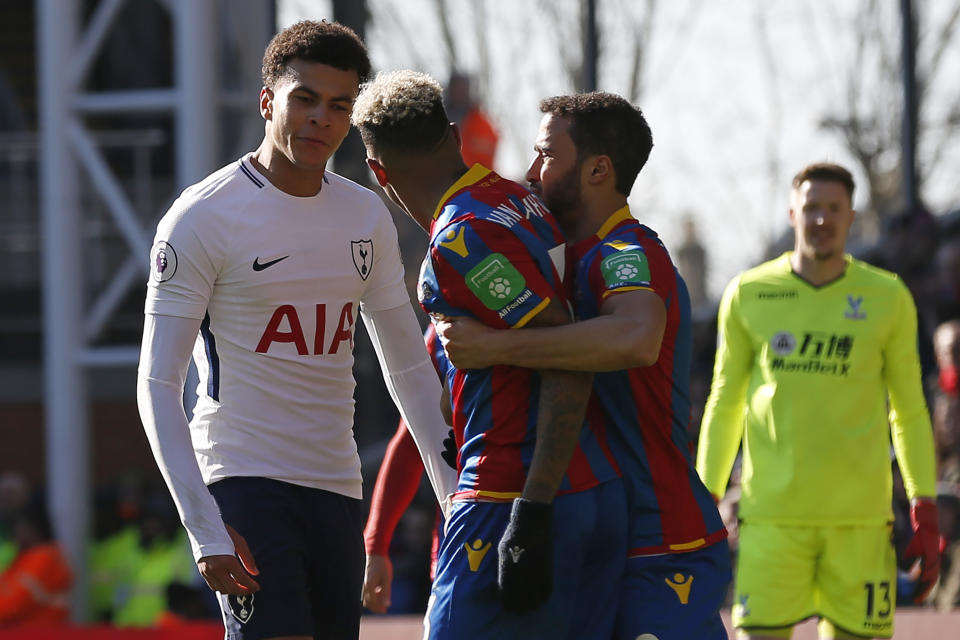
(163, 261)
(241, 607)
(362, 256)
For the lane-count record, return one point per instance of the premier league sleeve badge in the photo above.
(163, 261)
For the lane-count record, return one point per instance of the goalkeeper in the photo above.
(811, 346)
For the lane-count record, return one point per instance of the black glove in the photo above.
(450, 452)
(525, 574)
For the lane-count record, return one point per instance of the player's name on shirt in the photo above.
(513, 210)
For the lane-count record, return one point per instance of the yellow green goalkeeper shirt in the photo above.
(803, 375)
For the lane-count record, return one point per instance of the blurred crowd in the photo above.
(141, 571)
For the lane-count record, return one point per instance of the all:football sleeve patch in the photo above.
(496, 282)
(626, 268)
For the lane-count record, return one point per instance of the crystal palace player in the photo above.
(262, 269)
(811, 346)
(634, 329)
(494, 254)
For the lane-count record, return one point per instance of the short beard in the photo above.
(564, 200)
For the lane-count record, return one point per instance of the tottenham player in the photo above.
(397, 482)
(634, 330)
(537, 495)
(811, 346)
(262, 269)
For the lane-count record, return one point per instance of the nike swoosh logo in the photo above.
(260, 266)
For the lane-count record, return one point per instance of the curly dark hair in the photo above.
(606, 124)
(825, 171)
(329, 43)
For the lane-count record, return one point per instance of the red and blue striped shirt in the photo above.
(496, 254)
(646, 410)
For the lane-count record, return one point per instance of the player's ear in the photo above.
(266, 103)
(378, 172)
(456, 134)
(600, 169)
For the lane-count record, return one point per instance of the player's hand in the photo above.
(466, 341)
(525, 571)
(376, 583)
(925, 545)
(450, 452)
(231, 574)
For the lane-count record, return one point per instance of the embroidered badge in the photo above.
(362, 251)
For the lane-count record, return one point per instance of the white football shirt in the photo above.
(278, 282)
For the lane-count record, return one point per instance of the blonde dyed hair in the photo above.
(401, 111)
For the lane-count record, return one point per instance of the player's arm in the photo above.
(912, 437)
(397, 483)
(911, 431)
(722, 427)
(460, 259)
(562, 405)
(412, 382)
(626, 334)
(164, 357)
(525, 574)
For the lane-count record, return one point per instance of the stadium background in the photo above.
(108, 108)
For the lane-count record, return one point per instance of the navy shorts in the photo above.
(675, 596)
(308, 545)
(589, 550)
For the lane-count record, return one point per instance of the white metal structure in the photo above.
(66, 51)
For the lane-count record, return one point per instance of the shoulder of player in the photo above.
(772, 277)
(772, 272)
(866, 277)
(226, 181)
(632, 238)
(360, 196)
(861, 269)
(350, 188)
(215, 194)
(450, 228)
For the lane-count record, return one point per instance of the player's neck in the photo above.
(818, 272)
(595, 210)
(431, 189)
(284, 175)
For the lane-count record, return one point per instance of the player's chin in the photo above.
(826, 254)
(311, 161)
(311, 154)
